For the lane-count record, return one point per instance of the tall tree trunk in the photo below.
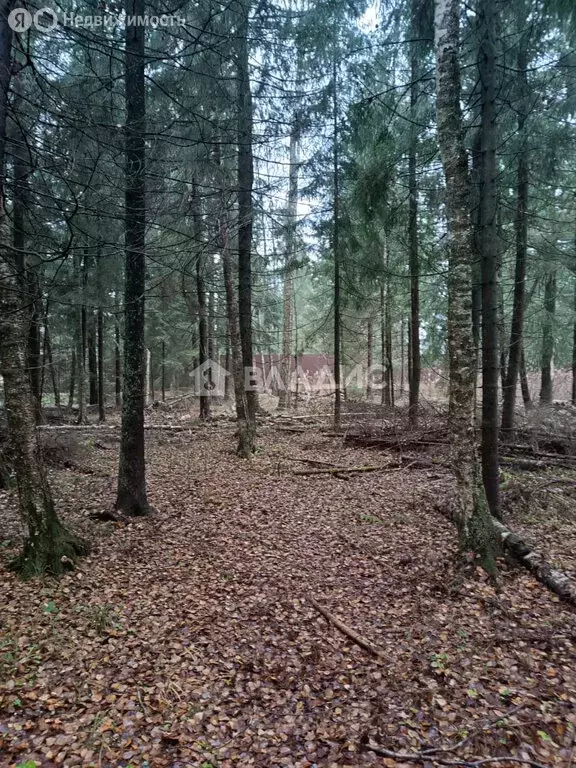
(574, 348)
(117, 363)
(100, 332)
(386, 400)
(132, 498)
(203, 351)
(414, 260)
(527, 400)
(50, 362)
(369, 356)
(228, 384)
(521, 233)
(163, 372)
(489, 257)
(28, 272)
(336, 244)
(91, 343)
(290, 243)
(72, 381)
(245, 429)
(547, 383)
(50, 547)
(245, 184)
(80, 335)
(471, 510)
(389, 363)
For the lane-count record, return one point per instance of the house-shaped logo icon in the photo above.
(210, 379)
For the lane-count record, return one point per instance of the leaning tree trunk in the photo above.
(245, 216)
(546, 383)
(50, 547)
(471, 510)
(521, 231)
(489, 256)
(132, 497)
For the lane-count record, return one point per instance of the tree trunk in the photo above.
(385, 400)
(471, 510)
(245, 184)
(203, 352)
(547, 384)
(80, 331)
(574, 349)
(527, 400)
(369, 356)
(132, 498)
(228, 365)
(91, 343)
(50, 547)
(100, 330)
(336, 247)
(521, 232)
(163, 372)
(72, 384)
(414, 259)
(288, 287)
(117, 364)
(50, 362)
(489, 251)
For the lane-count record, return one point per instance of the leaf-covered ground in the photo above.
(188, 639)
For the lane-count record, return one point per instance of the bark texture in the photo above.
(521, 234)
(50, 547)
(132, 499)
(489, 251)
(471, 512)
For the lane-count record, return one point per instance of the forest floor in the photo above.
(189, 638)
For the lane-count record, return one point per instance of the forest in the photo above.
(288, 383)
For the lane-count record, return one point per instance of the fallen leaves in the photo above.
(187, 639)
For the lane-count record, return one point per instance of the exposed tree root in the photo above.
(53, 553)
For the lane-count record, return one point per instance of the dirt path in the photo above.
(188, 640)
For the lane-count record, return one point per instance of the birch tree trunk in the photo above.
(471, 510)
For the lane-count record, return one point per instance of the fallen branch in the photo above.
(556, 581)
(533, 465)
(339, 470)
(431, 755)
(350, 633)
